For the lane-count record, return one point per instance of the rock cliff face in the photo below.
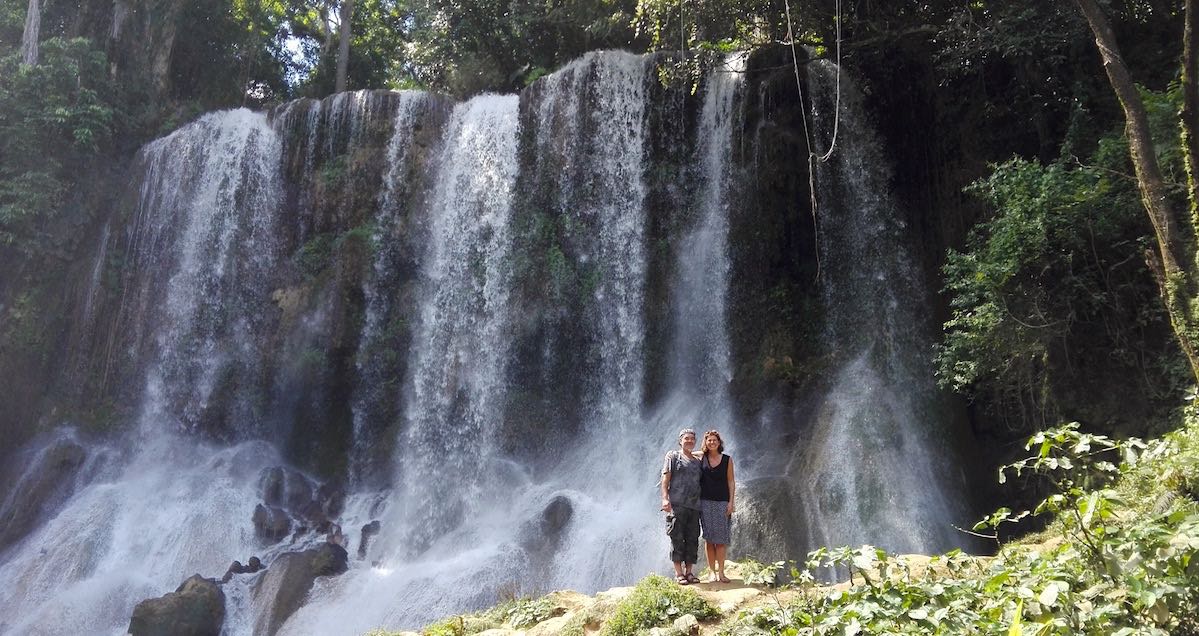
(482, 323)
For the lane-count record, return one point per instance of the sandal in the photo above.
(691, 578)
(681, 579)
(725, 579)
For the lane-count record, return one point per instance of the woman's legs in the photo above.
(721, 551)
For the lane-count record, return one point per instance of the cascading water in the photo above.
(376, 398)
(699, 368)
(220, 318)
(874, 469)
(458, 385)
(203, 244)
(220, 174)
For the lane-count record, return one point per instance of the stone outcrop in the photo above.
(286, 583)
(291, 501)
(369, 530)
(764, 522)
(196, 608)
(49, 481)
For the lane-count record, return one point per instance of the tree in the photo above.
(1174, 264)
(343, 47)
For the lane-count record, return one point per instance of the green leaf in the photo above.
(1015, 629)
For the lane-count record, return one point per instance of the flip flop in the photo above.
(681, 579)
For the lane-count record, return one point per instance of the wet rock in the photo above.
(270, 486)
(236, 567)
(544, 534)
(196, 608)
(285, 586)
(49, 481)
(285, 488)
(765, 524)
(271, 524)
(335, 536)
(298, 491)
(332, 498)
(369, 530)
(290, 494)
(556, 515)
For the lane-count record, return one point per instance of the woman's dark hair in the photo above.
(720, 439)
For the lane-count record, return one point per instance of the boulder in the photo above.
(45, 485)
(271, 524)
(196, 608)
(332, 498)
(288, 494)
(542, 535)
(687, 624)
(765, 525)
(285, 586)
(236, 567)
(270, 486)
(369, 530)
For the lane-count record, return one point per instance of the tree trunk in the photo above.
(33, 25)
(343, 47)
(164, 44)
(1189, 116)
(1173, 248)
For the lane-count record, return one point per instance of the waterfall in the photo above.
(206, 232)
(700, 369)
(517, 244)
(590, 126)
(874, 468)
(460, 347)
(376, 397)
(203, 246)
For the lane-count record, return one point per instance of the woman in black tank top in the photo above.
(716, 490)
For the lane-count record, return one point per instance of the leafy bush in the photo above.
(1051, 300)
(527, 612)
(655, 601)
(757, 573)
(1121, 562)
(53, 117)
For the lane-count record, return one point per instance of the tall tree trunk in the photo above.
(33, 25)
(1174, 250)
(164, 44)
(1189, 116)
(343, 47)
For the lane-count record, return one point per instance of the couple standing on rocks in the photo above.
(697, 489)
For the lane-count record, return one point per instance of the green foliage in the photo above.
(53, 117)
(654, 601)
(316, 254)
(1121, 564)
(1056, 275)
(453, 626)
(523, 612)
(757, 573)
(468, 46)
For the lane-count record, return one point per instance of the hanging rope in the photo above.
(803, 110)
(836, 109)
(807, 138)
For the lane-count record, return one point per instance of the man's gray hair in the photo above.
(685, 431)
